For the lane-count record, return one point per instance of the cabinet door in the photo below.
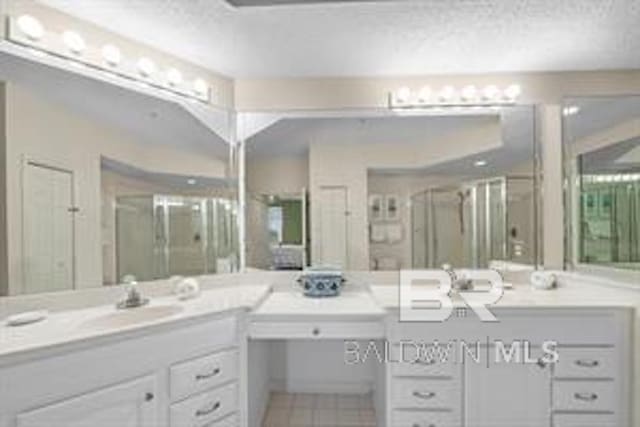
(130, 404)
(507, 395)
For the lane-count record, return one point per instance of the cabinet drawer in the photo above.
(316, 330)
(586, 363)
(583, 420)
(409, 361)
(194, 376)
(583, 395)
(425, 419)
(205, 407)
(425, 393)
(230, 421)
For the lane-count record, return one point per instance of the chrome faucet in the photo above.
(459, 282)
(133, 296)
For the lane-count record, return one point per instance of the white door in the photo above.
(48, 229)
(333, 226)
(507, 394)
(130, 404)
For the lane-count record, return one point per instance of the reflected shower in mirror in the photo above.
(602, 164)
(390, 191)
(158, 225)
(103, 183)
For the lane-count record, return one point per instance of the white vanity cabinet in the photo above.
(180, 374)
(507, 394)
(590, 385)
(131, 404)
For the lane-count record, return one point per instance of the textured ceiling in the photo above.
(380, 38)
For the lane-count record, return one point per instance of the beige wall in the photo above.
(40, 130)
(343, 93)
(338, 163)
(53, 20)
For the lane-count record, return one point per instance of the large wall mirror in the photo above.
(387, 190)
(104, 185)
(602, 167)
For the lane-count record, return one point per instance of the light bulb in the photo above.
(403, 95)
(174, 77)
(490, 92)
(480, 163)
(512, 92)
(469, 93)
(111, 55)
(200, 87)
(74, 42)
(447, 93)
(146, 67)
(424, 95)
(30, 27)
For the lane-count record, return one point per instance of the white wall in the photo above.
(39, 129)
(341, 163)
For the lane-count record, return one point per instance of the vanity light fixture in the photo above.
(30, 27)
(29, 33)
(146, 67)
(74, 42)
(174, 77)
(111, 55)
(451, 98)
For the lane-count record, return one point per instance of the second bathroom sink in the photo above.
(122, 318)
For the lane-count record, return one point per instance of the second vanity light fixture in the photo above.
(28, 31)
(450, 96)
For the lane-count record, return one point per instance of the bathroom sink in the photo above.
(131, 316)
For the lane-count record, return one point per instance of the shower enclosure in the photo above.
(610, 220)
(473, 223)
(159, 236)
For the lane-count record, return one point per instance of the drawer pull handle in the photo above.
(316, 332)
(418, 425)
(208, 375)
(208, 411)
(424, 395)
(429, 362)
(148, 396)
(586, 397)
(587, 363)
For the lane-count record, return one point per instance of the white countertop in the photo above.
(70, 327)
(349, 305)
(524, 296)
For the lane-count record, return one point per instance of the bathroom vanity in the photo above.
(204, 362)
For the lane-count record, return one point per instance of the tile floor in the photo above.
(319, 410)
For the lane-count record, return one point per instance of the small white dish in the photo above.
(27, 318)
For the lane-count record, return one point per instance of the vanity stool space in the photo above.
(182, 374)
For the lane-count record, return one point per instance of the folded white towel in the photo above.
(378, 233)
